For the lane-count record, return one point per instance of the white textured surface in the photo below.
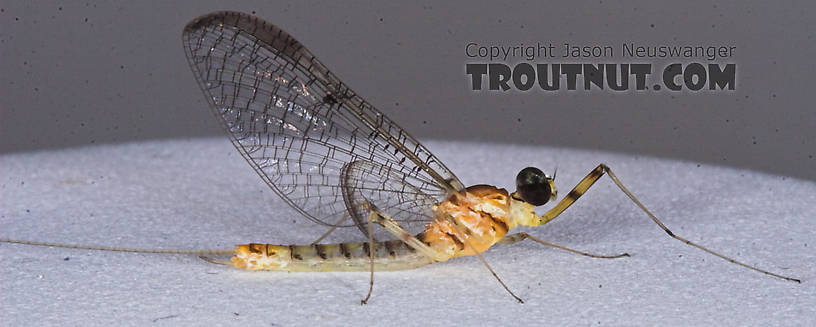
(200, 194)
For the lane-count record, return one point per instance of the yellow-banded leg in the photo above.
(602, 169)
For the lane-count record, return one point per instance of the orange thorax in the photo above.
(482, 215)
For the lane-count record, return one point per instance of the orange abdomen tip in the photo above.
(255, 256)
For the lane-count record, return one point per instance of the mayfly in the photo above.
(340, 162)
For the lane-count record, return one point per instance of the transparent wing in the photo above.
(365, 182)
(315, 142)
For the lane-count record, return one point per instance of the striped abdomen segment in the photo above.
(389, 255)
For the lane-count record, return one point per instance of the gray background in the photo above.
(77, 73)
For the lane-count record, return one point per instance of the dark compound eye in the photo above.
(533, 186)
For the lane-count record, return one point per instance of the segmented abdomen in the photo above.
(389, 255)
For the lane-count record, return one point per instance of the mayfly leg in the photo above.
(378, 217)
(461, 234)
(333, 228)
(394, 228)
(602, 169)
(370, 254)
(518, 237)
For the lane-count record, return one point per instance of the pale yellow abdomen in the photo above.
(389, 255)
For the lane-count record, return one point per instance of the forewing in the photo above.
(298, 125)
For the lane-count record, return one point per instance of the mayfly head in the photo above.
(535, 187)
